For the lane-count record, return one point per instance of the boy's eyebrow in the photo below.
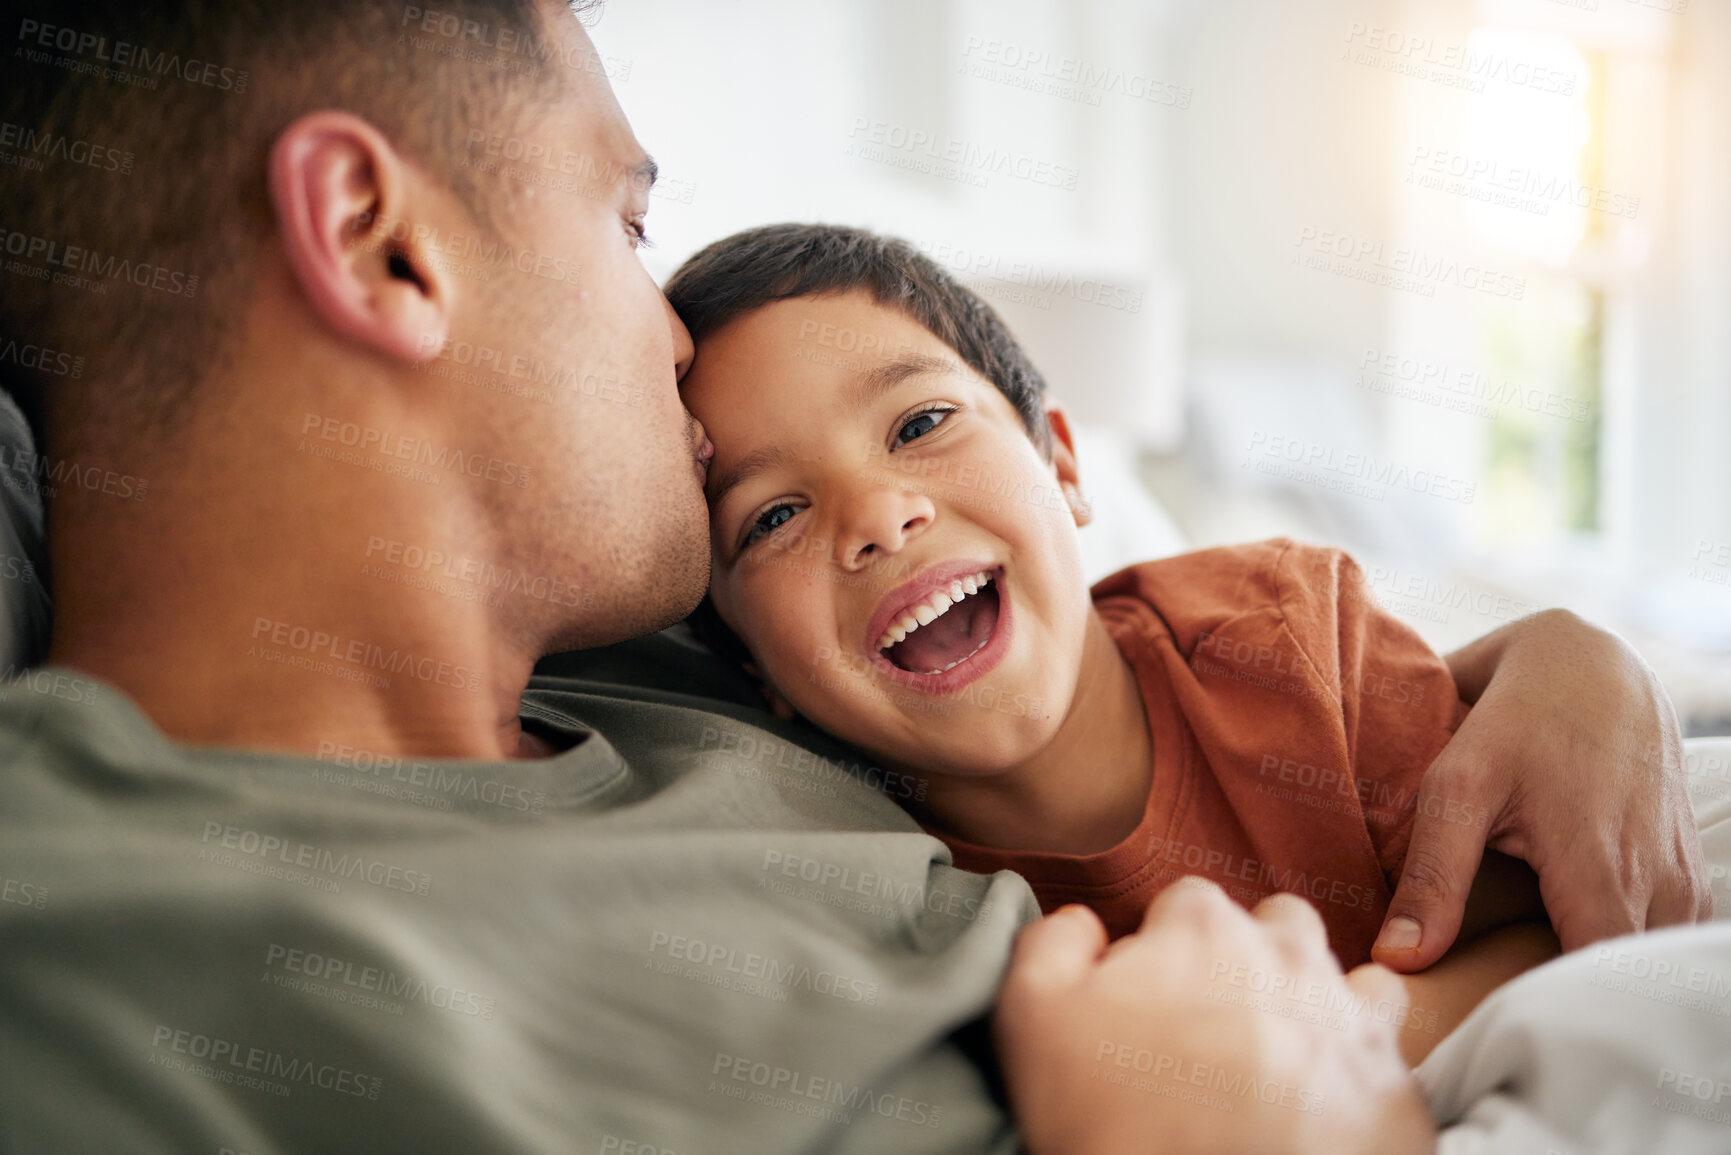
(747, 467)
(860, 394)
(887, 376)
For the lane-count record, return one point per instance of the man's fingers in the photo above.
(1378, 985)
(1294, 924)
(1285, 909)
(1192, 899)
(1443, 856)
(1056, 952)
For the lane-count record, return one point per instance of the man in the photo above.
(370, 418)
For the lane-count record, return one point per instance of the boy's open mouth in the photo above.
(951, 624)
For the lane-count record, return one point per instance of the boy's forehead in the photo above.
(797, 366)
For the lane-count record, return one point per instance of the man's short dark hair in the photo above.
(751, 269)
(748, 270)
(181, 102)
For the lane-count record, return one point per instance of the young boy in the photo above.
(894, 505)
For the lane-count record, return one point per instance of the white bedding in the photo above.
(1622, 1047)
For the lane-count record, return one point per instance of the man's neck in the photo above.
(269, 621)
(1085, 792)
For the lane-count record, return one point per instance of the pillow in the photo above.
(25, 608)
(1129, 524)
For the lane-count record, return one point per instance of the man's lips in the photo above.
(702, 453)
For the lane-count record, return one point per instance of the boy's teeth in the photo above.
(933, 608)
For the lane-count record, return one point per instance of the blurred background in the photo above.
(1447, 284)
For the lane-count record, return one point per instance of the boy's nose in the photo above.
(880, 521)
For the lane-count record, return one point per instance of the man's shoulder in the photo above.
(342, 951)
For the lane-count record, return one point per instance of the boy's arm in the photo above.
(1443, 996)
(1504, 933)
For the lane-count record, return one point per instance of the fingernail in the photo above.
(1401, 933)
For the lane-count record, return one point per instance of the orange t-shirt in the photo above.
(1292, 720)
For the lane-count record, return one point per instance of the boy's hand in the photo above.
(1155, 1044)
(1572, 760)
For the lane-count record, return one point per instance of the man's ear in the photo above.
(778, 705)
(341, 194)
(1064, 463)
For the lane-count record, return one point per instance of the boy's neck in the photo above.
(1085, 792)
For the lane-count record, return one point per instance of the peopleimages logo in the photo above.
(951, 158)
(1463, 389)
(478, 572)
(394, 776)
(37, 144)
(1529, 188)
(1453, 65)
(308, 640)
(467, 39)
(1042, 283)
(229, 1059)
(802, 1093)
(1231, 1087)
(782, 974)
(328, 970)
(95, 51)
(899, 897)
(1064, 77)
(1353, 471)
(41, 359)
(82, 268)
(305, 856)
(389, 444)
(1360, 258)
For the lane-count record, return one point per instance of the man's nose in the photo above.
(880, 521)
(683, 348)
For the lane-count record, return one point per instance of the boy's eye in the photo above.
(920, 424)
(769, 521)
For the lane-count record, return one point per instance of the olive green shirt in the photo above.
(697, 929)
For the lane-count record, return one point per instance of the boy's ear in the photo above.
(1064, 463)
(778, 705)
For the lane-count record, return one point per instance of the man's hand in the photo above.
(1155, 1044)
(1570, 759)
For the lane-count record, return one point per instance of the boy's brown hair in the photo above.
(754, 268)
(751, 269)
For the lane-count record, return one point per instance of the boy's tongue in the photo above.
(965, 628)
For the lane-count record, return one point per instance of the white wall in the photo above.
(762, 104)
